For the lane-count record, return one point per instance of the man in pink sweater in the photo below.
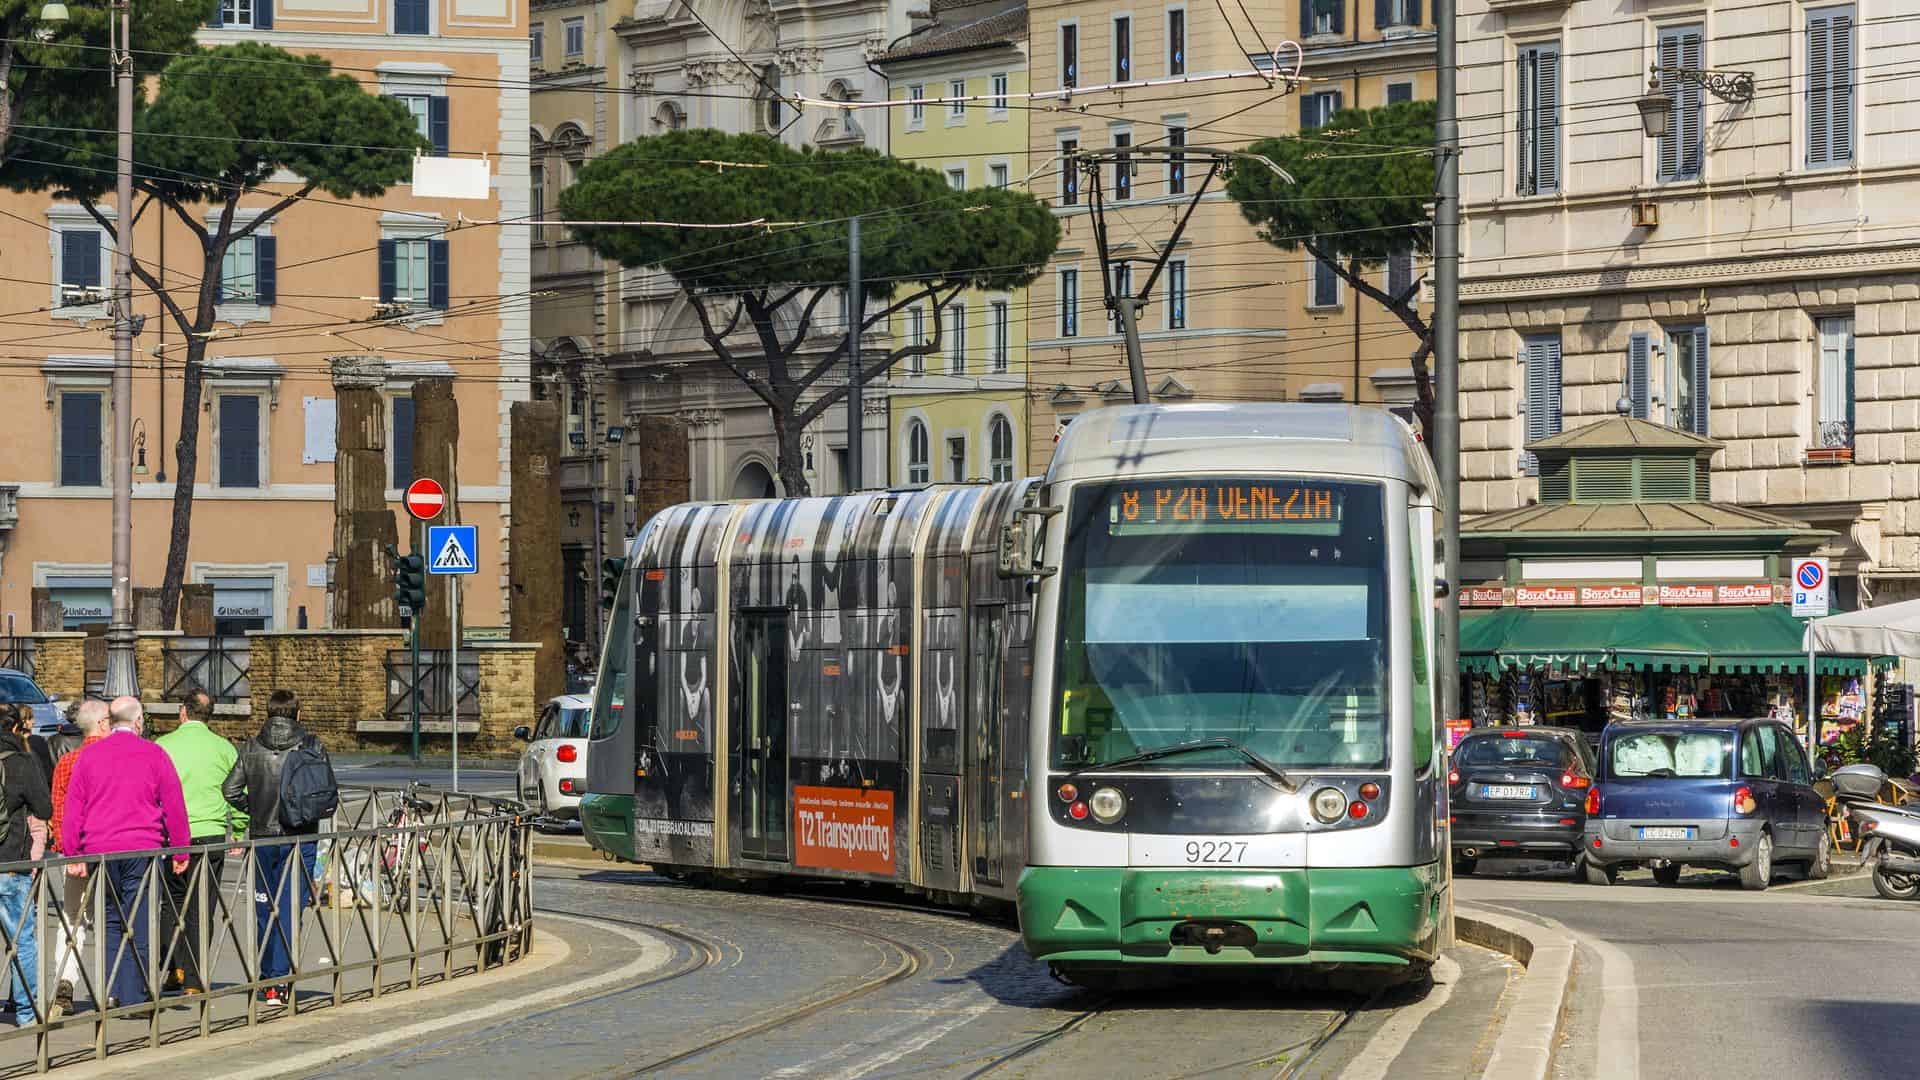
(125, 796)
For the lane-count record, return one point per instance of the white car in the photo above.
(553, 770)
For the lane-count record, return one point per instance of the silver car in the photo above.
(19, 687)
(553, 769)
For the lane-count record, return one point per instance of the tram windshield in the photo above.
(1253, 610)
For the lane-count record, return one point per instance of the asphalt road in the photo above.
(1703, 979)
(488, 778)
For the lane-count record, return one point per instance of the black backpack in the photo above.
(308, 791)
(6, 805)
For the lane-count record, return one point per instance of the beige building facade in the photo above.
(263, 515)
(1751, 276)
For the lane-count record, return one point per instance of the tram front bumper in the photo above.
(1101, 916)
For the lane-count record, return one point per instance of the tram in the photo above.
(1174, 701)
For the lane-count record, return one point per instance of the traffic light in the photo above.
(610, 571)
(410, 584)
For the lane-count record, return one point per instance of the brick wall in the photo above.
(59, 664)
(507, 697)
(339, 675)
(150, 660)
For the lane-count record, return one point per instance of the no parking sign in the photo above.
(1810, 588)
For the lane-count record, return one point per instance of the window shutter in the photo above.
(1819, 87)
(265, 257)
(1339, 11)
(1309, 114)
(437, 124)
(1840, 89)
(80, 440)
(263, 14)
(388, 272)
(73, 246)
(1413, 12)
(437, 274)
(1335, 107)
(214, 21)
(1382, 13)
(239, 441)
(402, 441)
(1701, 389)
(1637, 356)
(1851, 426)
(1546, 139)
(1680, 151)
(1552, 347)
(1306, 19)
(1669, 164)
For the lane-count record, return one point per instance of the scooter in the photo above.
(1892, 848)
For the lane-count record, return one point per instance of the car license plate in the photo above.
(1666, 832)
(1506, 791)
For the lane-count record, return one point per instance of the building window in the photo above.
(1316, 110)
(999, 84)
(1540, 359)
(1177, 163)
(1322, 17)
(997, 176)
(1399, 273)
(1069, 303)
(236, 14)
(957, 333)
(537, 196)
(536, 41)
(1122, 166)
(1069, 173)
(80, 259)
(1687, 369)
(1398, 92)
(918, 471)
(999, 450)
(957, 92)
(1069, 55)
(957, 178)
(1177, 295)
(413, 271)
(770, 98)
(957, 458)
(247, 272)
(80, 436)
(1326, 285)
(1396, 13)
(239, 434)
(1681, 147)
(429, 118)
(1830, 86)
(1177, 41)
(1122, 48)
(917, 335)
(916, 112)
(1538, 123)
(1835, 394)
(997, 313)
(411, 17)
(402, 442)
(573, 34)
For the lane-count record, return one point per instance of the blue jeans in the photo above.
(279, 898)
(127, 902)
(16, 914)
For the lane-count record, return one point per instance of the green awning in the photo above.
(1723, 639)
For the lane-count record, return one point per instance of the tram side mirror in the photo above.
(1019, 557)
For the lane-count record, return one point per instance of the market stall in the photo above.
(1890, 631)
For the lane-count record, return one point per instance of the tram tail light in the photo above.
(1593, 801)
(1356, 810)
(567, 753)
(1067, 793)
(1369, 791)
(1743, 801)
(1078, 811)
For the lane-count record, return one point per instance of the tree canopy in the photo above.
(921, 241)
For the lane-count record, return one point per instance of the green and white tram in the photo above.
(1174, 700)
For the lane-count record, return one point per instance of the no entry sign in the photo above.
(425, 499)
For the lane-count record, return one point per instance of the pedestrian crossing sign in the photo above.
(453, 549)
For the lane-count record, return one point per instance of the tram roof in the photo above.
(1263, 437)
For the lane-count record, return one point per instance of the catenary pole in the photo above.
(856, 309)
(1446, 346)
(121, 675)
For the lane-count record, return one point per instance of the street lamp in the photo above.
(1656, 112)
(1656, 106)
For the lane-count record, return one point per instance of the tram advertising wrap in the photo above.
(1173, 701)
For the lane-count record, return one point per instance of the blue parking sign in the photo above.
(453, 549)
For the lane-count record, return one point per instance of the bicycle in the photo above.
(376, 869)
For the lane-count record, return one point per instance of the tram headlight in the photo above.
(1108, 805)
(1329, 805)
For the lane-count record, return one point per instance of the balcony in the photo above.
(9, 506)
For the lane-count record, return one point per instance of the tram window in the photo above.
(610, 694)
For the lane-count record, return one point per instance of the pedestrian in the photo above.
(41, 749)
(70, 733)
(202, 760)
(125, 797)
(90, 718)
(23, 794)
(285, 783)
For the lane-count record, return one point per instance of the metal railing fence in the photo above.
(218, 665)
(435, 687)
(408, 886)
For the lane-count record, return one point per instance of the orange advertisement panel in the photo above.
(843, 829)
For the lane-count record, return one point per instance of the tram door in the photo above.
(760, 732)
(986, 686)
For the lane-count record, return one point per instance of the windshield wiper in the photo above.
(1279, 776)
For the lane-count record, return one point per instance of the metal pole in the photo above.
(413, 626)
(599, 526)
(1128, 308)
(122, 677)
(856, 308)
(1813, 709)
(453, 671)
(1446, 349)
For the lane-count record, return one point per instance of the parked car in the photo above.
(553, 769)
(19, 687)
(1518, 791)
(1733, 794)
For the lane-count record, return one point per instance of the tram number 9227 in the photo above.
(1217, 852)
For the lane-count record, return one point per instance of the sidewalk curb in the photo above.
(1524, 1050)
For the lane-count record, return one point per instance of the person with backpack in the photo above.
(284, 781)
(23, 795)
(124, 797)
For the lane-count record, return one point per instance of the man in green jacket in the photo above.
(203, 759)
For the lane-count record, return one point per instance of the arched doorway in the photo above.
(753, 481)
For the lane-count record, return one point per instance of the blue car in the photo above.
(1732, 794)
